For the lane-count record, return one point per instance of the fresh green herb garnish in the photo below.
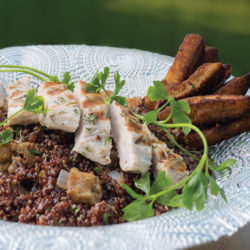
(107, 140)
(39, 74)
(106, 217)
(6, 136)
(91, 117)
(98, 83)
(88, 149)
(98, 169)
(194, 187)
(33, 104)
(35, 152)
(179, 109)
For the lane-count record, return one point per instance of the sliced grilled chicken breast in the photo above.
(166, 160)
(3, 100)
(132, 141)
(63, 113)
(16, 97)
(92, 139)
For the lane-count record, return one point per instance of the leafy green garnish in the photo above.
(33, 151)
(223, 165)
(107, 140)
(142, 207)
(179, 109)
(106, 217)
(157, 92)
(98, 83)
(6, 136)
(33, 104)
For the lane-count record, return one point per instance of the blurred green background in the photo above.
(154, 25)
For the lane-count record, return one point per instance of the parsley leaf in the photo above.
(143, 183)
(195, 191)
(98, 83)
(66, 79)
(34, 103)
(118, 83)
(151, 116)
(223, 165)
(179, 111)
(106, 217)
(6, 136)
(215, 189)
(35, 152)
(121, 100)
(157, 92)
(176, 201)
(161, 183)
(137, 210)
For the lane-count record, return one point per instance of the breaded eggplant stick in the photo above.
(219, 132)
(228, 70)
(236, 86)
(210, 55)
(211, 109)
(187, 58)
(202, 81)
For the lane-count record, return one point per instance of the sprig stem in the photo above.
(199, 166)
(25, 67)
(10, 117)
(24, 71)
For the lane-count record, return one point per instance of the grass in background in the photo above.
(157, 26)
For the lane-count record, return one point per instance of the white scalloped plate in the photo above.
(176, 229)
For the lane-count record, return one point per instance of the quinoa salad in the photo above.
(78, 154)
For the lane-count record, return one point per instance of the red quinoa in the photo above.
(30, 194)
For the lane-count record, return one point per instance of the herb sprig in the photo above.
(33, 104)
(194, 187)
(98, 83)
(39, 74)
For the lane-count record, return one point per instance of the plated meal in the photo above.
(76, 154)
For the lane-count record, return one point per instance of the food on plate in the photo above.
(81, 187)
(131, 139)
(17, 92)
(210, 55)
(3, 101)
(228, 70)
(77, 154)
(211, 109)
(236, 86)
(202, 81)
(186, 60)
(63, 111)
(164, 159)
(218, 132)
(93, 135)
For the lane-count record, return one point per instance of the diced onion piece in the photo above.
(62, 179)
(116, 175)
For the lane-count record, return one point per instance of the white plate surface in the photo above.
(176, 229)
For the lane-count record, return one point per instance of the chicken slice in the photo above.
(63, 113)
(166, 160)
(3, 101)
(92, 139)
(132, 141)
(16, 97)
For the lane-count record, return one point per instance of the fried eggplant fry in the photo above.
(218, 133)
(210, 55)
(228, 70)
(236, 86)
(187, 58)
(202, 81)
(210, 109)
